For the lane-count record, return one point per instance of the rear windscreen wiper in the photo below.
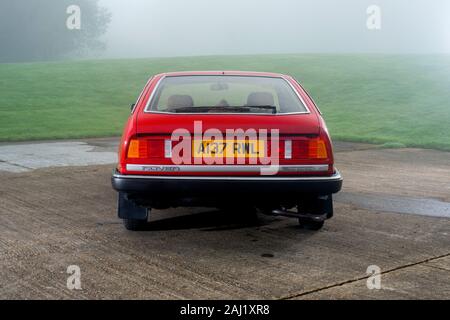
(189, 109)
(242, 108)
(221, 109)
(268, 107)
(207, 109)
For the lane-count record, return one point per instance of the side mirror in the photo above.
(132, 106)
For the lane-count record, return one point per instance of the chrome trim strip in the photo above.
(146, 109)
(299, 96)
(152, 95)
(223, 168)
(335, 177)
(309, 96)
(228, 113)
(140, 96)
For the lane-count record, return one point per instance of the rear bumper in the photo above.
(255, 189)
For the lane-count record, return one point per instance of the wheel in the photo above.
(310, 224)
(134, 225)
(315, 210)
(134, 216)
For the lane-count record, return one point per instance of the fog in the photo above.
(155, 28)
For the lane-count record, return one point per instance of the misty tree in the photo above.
(39, 29)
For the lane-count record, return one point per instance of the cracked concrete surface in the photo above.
(30, 156)
(335, 291)
(55, 217)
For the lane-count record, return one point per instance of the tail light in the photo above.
(305, 149)
(293, 150)
(288, 149)
(317, 149)
(168, 149)
(147, 148)
(137, 149)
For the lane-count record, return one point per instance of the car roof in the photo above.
(222, 73)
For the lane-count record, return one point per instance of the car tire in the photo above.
(310, 224)
(134, 216)
(135, 225)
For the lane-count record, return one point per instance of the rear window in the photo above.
(225, 94)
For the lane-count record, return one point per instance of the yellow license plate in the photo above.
(228, 148)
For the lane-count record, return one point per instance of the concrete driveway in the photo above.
(57, 209)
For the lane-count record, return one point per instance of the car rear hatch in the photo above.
(294, 144)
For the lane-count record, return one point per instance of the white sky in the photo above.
(145, 28)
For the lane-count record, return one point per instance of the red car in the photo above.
(222, 139)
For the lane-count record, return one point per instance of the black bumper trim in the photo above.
(207, 186)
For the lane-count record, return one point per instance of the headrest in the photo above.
(180, 101)
(260, 99)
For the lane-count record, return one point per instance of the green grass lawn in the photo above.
(387, 99)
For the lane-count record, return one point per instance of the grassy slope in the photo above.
(371, 98)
